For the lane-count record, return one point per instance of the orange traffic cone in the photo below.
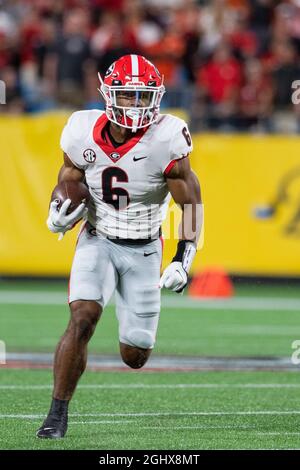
(213, 282)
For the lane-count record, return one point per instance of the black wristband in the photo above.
(186, 250)
(181, 245)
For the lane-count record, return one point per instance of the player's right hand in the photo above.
(59, 220)
(174, 277)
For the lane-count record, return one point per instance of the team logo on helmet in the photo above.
(114, 155)
(110, 70)
(89, 155)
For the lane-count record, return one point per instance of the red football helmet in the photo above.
(132, 89)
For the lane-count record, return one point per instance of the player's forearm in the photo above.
(187, 194)
(192, 221)
(192, 211)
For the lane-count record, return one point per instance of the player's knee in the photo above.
(84, 318)
(135, 363)
(134, 357)
(136, 347)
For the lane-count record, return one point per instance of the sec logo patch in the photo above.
(89, 155)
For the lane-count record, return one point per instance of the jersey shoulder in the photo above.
(80, 124)
(174, 131)
(167, 125)
(76, 134)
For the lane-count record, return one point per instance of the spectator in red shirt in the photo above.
(221, 77)
(220, 81)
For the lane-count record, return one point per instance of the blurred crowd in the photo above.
(229, 64)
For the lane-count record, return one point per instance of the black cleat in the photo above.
(54, 427)
(56, 424)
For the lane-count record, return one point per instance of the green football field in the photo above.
(167, 408)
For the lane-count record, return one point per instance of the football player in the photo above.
(133, 159)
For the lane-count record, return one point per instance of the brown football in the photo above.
(74, 190)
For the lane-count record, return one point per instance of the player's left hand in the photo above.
(174, 277)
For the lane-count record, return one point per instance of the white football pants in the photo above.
(101, 267)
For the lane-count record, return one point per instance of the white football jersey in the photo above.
(129, 192)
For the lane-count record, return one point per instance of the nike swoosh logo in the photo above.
(148, 254)
(137, 159)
